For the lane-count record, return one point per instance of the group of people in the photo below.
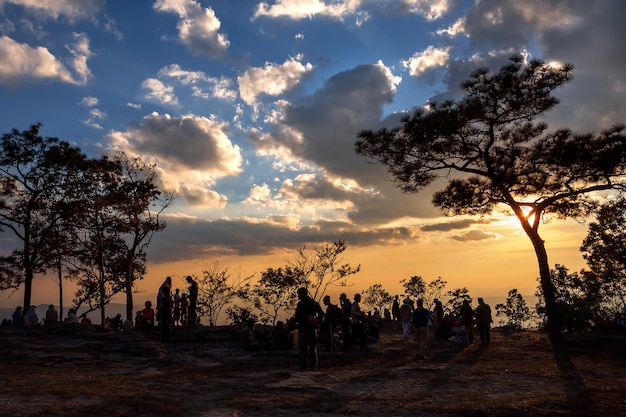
(457, 326)
(31, 319)
(172, 309)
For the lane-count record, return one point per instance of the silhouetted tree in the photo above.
(217, 287)
(604, 249)
(456, 298)
(319, 270)
(35, 174)
(515, 310)
(577, 298)
(274, 292)
(139, 204)
(377, 297)
(414, 286)
(492, 154)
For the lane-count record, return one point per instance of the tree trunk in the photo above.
(28, 288)
(554, 322)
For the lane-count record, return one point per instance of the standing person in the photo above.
(166, 284)
(332, 318)
(165, 314)
(467, 318)
(484, 320)
(357, 316)
(308, 316)
(420, 323)
(346, 311)
(177, 307)
(406, 313)
(184, 309)
(17, 319)
(193, 301)
(438, 310)
(395, 312)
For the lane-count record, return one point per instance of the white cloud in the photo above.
(192, 153)
(272, 79)
(307, 9)
(202, 85)
(432, 57)
(70, 9)
(429, 9)
(20, 62)
(89, 101)
(160, 92)
(198, 28)
(80, 51)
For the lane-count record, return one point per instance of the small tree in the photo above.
(415, 286)
(493, 155)
(217, 288)
(515, 310)
(323, 269)
(275, 291)
(377, 297)
(456, 298)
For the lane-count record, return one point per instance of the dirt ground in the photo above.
(203, 372)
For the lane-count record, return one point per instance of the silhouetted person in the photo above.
(484, 320)
(193, 301)
(308, 316)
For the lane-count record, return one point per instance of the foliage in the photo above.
(35, 174)
(515, 310)
(138, 205)
(275, 291)
(323, 268)
(414, 287)
(456, 298)
(377, 297)
(217, 288)
(577, 297)
(239, 316)
(492, 155)
(604, 249)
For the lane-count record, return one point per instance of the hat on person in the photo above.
(407, 301)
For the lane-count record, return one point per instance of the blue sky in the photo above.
(251, 109)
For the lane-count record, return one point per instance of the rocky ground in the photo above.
(203, 372)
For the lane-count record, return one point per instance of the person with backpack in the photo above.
(308, 316)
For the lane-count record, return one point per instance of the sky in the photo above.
(250, 111)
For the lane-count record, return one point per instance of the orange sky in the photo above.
(488, 268)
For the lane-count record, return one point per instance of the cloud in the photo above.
(429, 9)
(72, 10)
(476, 235)
(20, 62)
(317, 134)
(198, 28)
(191, 238)
(272, 79)
(159, 91)
(192, 153)
(432, 57)
(307, 9)
(95, 114)
(202, 85)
